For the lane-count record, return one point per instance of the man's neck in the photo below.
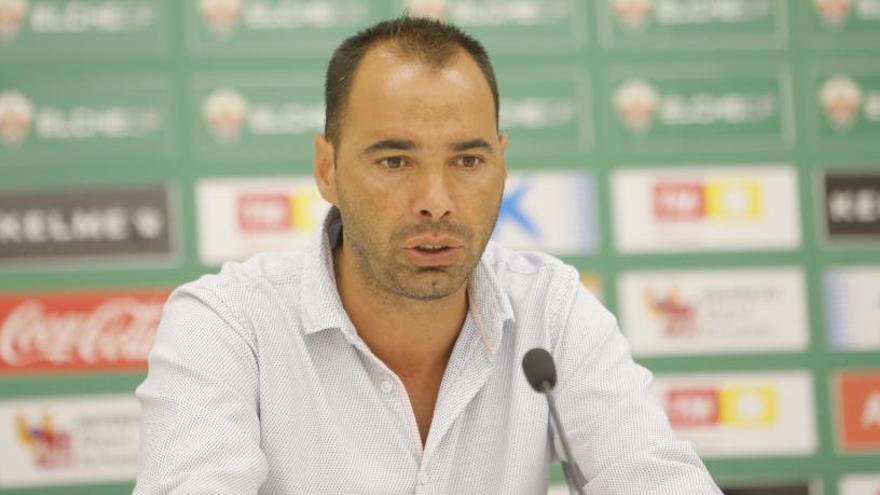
(412, 337)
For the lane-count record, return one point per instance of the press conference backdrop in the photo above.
(711, 166)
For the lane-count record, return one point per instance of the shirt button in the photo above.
(386, 387)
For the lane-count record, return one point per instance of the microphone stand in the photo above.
(573, 476)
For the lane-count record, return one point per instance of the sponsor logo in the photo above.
(221, 15)
(593, 283)
(698, 311)
(852, 205)
(243, 216)
(713, 208)
(741, 414)
(49, 446)
(81, 17)
(432, 9)
(227, 114)
(76, 123)
(536, 113)
(225, 111)
(492, 12)
(75, 223)
(16, 116)
(858, 415)
(637, 103)
(678, 316)
(536, 213)
(77, 331)
(719, 200)
(740, 406)
(12, 13)
(634, 14)
(224, 16)
(834, 13)
(852, 296)
(859, 484)
(841, 99)
(87, 439)
(276, 212)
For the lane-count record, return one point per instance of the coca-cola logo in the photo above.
(78, 331)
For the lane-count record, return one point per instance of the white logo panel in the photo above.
(706, 209)
(718, 311)
(852, 297)
(742, 414)
(240, 217)
(549, 211)
(87, 439)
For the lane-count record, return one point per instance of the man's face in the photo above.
(418, 175)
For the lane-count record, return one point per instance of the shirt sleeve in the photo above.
(200, 428)
(618, 432)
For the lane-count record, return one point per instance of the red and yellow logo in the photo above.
(738, 406)
(724, 200)
(277, 212)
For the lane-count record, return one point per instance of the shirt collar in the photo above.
(321, 305)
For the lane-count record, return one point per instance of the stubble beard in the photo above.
(385, 273)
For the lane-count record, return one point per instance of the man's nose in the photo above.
(433, 198)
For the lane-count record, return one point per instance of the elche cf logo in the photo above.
(12, 13)
(432, 9)
(834, 13)
(635, 102)
(632, 14)
(841, 99)
(16, 115)
(220, 15)
(225, 111)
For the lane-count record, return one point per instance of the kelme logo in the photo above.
(432, 9)
(834, 13)
(16, 115)
(633, 14)
(221, 15)
(636, 103)
(841, 99)
(12, 13)
(225, 111)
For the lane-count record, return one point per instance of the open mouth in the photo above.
(428, 248)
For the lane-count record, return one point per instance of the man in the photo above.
(386, 359)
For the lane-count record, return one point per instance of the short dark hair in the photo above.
(429, 41)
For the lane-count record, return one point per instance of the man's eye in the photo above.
(469, 161)
(393, 163)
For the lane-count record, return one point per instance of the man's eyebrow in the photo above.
(471, 144)
(390, 144)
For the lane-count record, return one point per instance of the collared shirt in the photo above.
(259, 383)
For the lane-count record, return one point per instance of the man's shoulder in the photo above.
(236, 280)
(523, 264)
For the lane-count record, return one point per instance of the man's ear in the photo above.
(325, 172)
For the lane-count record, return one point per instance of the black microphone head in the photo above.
(539, 368)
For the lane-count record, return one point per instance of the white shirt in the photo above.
(259, 383)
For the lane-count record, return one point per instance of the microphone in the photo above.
(541, 375)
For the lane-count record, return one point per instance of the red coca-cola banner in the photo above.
(78, 331)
